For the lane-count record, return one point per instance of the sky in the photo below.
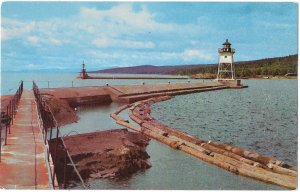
(61, 35)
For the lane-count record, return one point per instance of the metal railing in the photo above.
(77, 83)
(8, 115)
(51, 142)
(229, 50)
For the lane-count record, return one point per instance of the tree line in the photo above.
(278, 66)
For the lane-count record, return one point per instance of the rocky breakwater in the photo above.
(110, 154)
(236, 160)
(60, 109)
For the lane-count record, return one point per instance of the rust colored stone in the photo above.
(105, 154)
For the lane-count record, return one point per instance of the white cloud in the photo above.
(189, 54)
(122, 16)
(106, 42)
(34, 33)
(132, 58)
(119, 27)
(119, 22)
(33, 39)
(102, 42)
(54, 41)
(42, 40)
(11, 28)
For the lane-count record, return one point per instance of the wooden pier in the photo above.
(23, 160)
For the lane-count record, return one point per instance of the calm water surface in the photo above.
(10, 81)
(262, 118)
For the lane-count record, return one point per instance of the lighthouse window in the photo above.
(225, 56)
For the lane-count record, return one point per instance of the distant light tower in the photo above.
(83, 73)
(83, 67)
(226, 67)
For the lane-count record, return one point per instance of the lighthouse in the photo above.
(83, 74)
(226, 66)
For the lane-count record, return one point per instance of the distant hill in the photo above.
(146, 69)
(277, 66)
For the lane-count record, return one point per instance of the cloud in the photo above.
(102, 42)
(197, 54)
(43, 40)
(106, 42)
(34, 33)
(123, 16)
(132, 58)
(116, 23)
(33, 39)
(11, 28)
(54, 41)
(134, 34)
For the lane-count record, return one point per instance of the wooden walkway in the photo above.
(23, 164)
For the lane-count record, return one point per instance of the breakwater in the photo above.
(131, 93)
(228, 157)
(128, 77)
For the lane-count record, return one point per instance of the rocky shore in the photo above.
(105, 154)
(62, 111)
(113, 154)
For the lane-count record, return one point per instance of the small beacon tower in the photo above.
(226, 67)
(83, 74)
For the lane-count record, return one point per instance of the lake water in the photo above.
(262, 118)
(10, 81)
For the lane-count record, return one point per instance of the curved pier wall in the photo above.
(127, 93)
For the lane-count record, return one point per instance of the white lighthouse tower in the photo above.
(226, 67)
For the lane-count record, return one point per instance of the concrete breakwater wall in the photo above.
(128, 77)
(128, 93)
(60, 99)
(231, 158)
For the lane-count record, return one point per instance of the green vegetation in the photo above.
(279, 66)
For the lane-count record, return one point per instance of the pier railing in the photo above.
(52, 141)
(103, 82)
(8, 114)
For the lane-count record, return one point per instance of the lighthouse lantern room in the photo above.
(226, 66)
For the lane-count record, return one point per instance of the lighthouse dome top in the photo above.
(226, 42)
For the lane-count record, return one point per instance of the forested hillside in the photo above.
(278, 66)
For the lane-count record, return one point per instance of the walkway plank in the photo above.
(23, 163)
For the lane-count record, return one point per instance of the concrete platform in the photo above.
(128, 93)
(23, 163)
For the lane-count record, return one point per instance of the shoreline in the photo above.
(258, 78)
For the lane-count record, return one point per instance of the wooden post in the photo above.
(0, 141)
(11, 112)
(65, 168)
(9, 117)
(55, 154)
(5, 141)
